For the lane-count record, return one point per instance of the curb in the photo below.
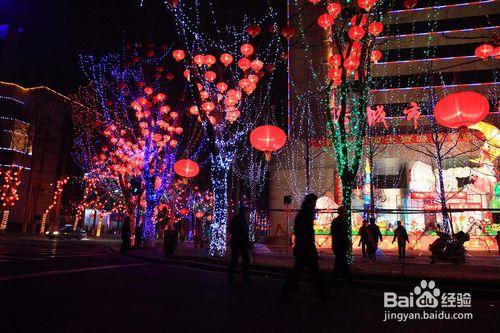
(358, 280)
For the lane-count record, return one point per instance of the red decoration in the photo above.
(314, 2)
(257, 65)
(244, 63)
(246, 50)
(356, 32)
(186, 168)
(254, 30)
(409, 4)
(267, 139)
(226, 59)
(178, 55)
(288, 32)
(334, 9)
(199, 59)
(375, 56)
(484, 51)
(375, 28)
(461, 109)
(366, 4)
(325, 21)
(209, 60)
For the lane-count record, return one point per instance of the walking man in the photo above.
(304, 250)
(374, 235)
(340, 244)
(238, 229)
(402, 236)
(363, 237)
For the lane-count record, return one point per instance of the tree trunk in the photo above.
(219, 221)
(347, 181)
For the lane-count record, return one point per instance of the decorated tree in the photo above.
(225, 66)
(128, 130)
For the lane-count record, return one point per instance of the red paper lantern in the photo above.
(226, 59)
(484, 51)
(210, 76)
(254, 30)
(222, 87)
(244, 63)
(375, 56)
(184, 211)
(257, 65)
(314, 2)
(409, 4)
(366, 4)
(267, 139)
(186, 168)
(462, 109)
(209, 60)
(288, 32)
(246, 50)
(375, 28)
(325, 21)
(178, 55)
(199, 59)
(356, 32)
(334, 9)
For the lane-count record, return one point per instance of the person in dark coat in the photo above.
(401, 236)
(125, 246)
(363, 237)
(374, 235)
(238, 230)
(340, 244)
(304, 250)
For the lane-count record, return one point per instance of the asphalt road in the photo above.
(80, 286)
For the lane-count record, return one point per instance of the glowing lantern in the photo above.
(226, 59)
(179, 130)
(234, 93)
(335, 73)
(174, 115)
(165, 109)
(199, 60)
(244, 63)
(187, 74)
(204, 95)
(199, 214)
(484, 51)
(356, 32)
(178, 55)
(184, 211)
(253, 79)
(173, 143)
(257, 65)
(210, 76)
(288, 32)
(209, 60)
(148, 90)
(334, 9)
(230, 100)
(314, 2)
(375, 56)
(194, 110)
(254, 30)
(208, 106)
(267, 139)
(335, 60)
(222, 87)
(375, 28)
(136, 106)
(461, 109)
(169, 76)
(366, 4)
(244, 83)
(350, 64)
(408, 4)
(325, 21)
(246, 50)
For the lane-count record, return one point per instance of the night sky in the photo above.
(57, 31)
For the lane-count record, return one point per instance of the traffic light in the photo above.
(135, 185)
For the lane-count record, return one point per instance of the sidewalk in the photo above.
(480, 267)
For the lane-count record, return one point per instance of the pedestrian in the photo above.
(401, 236)
(304, 250)
(363, 237)
(198, 233)
(138, 235)
(497, 238)
(340, 244)
(374, 235)
(125, 246)
(238, 230)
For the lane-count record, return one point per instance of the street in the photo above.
(81, 286)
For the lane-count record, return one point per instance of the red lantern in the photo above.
(208, 106)
(186, 168)
(288, 32)
(246, 50)
(462, 109)
(325, 21)
(210, 76)
(244, 63)
(267, 139)
(254, 30)
(257, 65)
(199, 59)
(335, 60)
(184, 211)
(496, 52)
(314, 2)
(226, 59)
(375, 56)
(356, 32)
(350, 64)
(484, 51)
(178, 55)
(209, 60)
(409, 4)
(366, 4)
(375, 28)
(334, 9)
(222, 87)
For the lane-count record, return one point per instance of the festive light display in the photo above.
(267, 139)
(227, 111)
(56, 197)
(462, 109)
(9, 183)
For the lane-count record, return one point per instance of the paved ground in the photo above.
(80, 286)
